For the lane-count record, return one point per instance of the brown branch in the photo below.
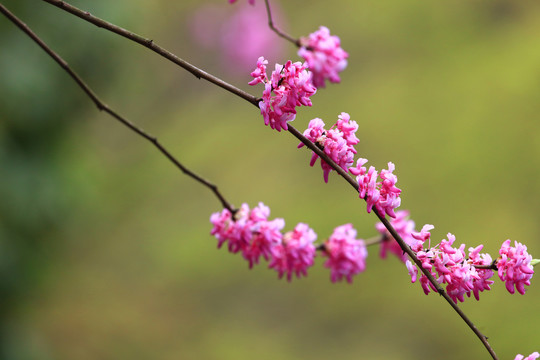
(399, 240)
(254, 101)
(103, 107)
(276, 30)
(148, 43)
(492, 266)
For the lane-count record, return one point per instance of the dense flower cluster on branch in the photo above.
(346, 254)
(382, 195)
(324, 56)
(465, 275)
(254, 235)
(514, 266)
(450, 266)
(338, 142)
(289, 86)
(295, 253)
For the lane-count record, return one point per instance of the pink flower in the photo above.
(535, 355)
(514, 266)
(265, 235)
(404, 227)
(232, 230)
(389, 193)
(315, 132)
(260, 72)
(424, 234)
(367, 182)
(338, 142)
(249, 231)
(383, 195)
(348, 127)
(221, 223)
(413, 270)
(449, 266)
(289, 86)
(324, 56)
(296, 252)
(234, 37)
(476, 259)
(346, 255)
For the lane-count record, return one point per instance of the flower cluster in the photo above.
(450, 266)
(381, 195)
(248, 231)
(324, 56)
(514, 266)
(346, 255)
(535, 355)
(295, 253)
(254, 235)
(404, 227)
(289, 86)
(251, 233)
(338, 142)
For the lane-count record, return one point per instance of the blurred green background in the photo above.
(105, 250)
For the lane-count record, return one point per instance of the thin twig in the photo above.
(148, 43)
(253, 100)
(492, 266)
(103, 107)
(276, 30)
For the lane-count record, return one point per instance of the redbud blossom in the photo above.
(324, 56)
(265, 234)
(423, 235)
(296, 252)
(413, 270)
(231, 230)
(338, 142)
(477, 259)
(249, 231)
(404, 227)
(348, 127)
(289, 86)
(450, 266)
(383, 195)
(535, 355)
(514, 266)
(234, 38)
(346, 255)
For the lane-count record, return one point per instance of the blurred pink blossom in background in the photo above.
(238, 34)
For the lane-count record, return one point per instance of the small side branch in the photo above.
(280, 33)
(104, 107)
(150, 44)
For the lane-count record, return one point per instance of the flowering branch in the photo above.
(104, 107)
(255, 101)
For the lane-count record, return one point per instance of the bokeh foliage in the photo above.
(104, 245)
